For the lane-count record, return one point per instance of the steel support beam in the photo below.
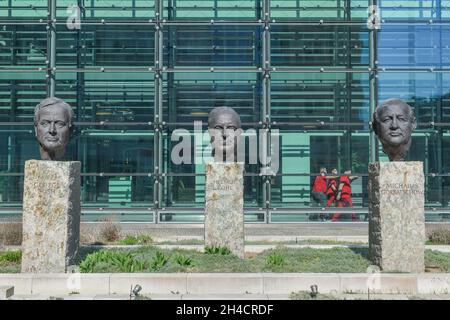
(51, 48)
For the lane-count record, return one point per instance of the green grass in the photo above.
(304, 295)
(10, 261)
(438, 259)
(136, 240)
(152, 259)
(217, 250)
(112, 261)
(280, 259)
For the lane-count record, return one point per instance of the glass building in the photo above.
(307, 74)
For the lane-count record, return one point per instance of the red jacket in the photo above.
(346, 188)
(320, 184)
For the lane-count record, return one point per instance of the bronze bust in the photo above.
(393, 123)
(53, 125)
(224, 127)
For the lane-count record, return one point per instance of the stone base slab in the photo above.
(224, 206)
(51, 215)
(396, 216)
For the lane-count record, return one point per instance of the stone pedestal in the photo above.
(51, 215)
(396, 216)
(224, 206)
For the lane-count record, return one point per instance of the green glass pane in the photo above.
(23, 46)
(110, 45)
(20, 92)
(108, 9)
(109, 96)
(319, 46)
(212, 46)
(212, 9)
(314, 97)
(191, 96)
(22, 9)
(319, 9)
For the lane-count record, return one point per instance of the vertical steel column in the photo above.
(347, 136)
(373, 81)
(12, 164)
(171, 94)
(439, 142)
(158, 119)
(81, 147)
(51, 48)
(265, 114)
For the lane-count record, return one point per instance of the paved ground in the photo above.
(162, 231)
(234, 297)
(351, 231)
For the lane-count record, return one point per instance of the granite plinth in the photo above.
(396, 216)
(51, 215)
(224, 206)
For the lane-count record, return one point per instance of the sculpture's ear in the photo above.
(374, 124)
(71, 128)
(414, 123)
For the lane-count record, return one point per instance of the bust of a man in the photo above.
(393, 123)
(224, 127)
(53, 124)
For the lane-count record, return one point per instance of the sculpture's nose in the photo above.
(52, 128)
(224, 133)
(394, 123)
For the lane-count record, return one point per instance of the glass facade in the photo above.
(306, 73)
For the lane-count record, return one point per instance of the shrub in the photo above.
(183, 261)
(439, 236)
(133, 240)
(122, 261)
(144, 239)
(129, 241)
(110, 230)
(275, 259)
(217, 250)
(89, 234)
(304, 295)
(11, 233)
(159, 261)
(11, 256)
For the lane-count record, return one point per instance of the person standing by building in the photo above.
(319, 192)
(344, 194)
(332, 188)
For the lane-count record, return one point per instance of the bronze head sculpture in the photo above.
(393, 123)
(224, 127)
(53, 124)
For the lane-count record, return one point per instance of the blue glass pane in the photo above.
(414, 46)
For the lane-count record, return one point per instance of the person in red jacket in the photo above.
(344, 194)
(319, 192)
(332, 188)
